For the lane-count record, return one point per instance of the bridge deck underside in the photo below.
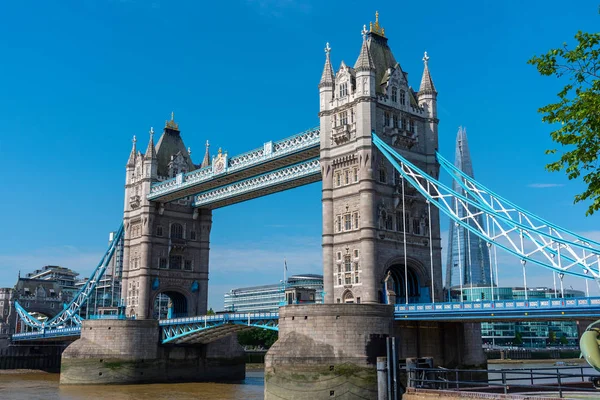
(260, 192)
(210, 334)
(237, 175)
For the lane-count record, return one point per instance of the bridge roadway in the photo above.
(206, 328)
(295, 150)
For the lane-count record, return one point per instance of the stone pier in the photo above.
(129, 351)
(327, 351)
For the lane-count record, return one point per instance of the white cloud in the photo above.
(544, 185)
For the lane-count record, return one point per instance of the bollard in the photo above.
(382, 378)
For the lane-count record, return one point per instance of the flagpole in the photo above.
(284, 273)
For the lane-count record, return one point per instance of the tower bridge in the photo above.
(376, 154)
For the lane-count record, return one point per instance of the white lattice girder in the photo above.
(284, 178)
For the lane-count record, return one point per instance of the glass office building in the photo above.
(468, 255)
(535, 334)
(268, 298)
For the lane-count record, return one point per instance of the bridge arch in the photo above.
(170, 303)
(417, 279)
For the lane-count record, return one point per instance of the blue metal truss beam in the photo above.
(443, 198)
(69, 314)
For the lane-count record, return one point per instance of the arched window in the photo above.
(176, 231)
(348, 297)
(344, 89)
(394, 94)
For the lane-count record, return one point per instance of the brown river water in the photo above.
(44, 386)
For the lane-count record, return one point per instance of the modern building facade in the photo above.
(268, 298)
(537, 334)
(374, 227)
(468, 262)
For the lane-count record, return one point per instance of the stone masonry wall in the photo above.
(327, 350)
(120, 352)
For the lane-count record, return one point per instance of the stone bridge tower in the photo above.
(166, 246)
(369, 228)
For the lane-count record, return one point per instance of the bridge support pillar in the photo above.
(450, 344)
(327, 350)
(129, 351)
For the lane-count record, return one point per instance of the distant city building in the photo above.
(64, 277)
(468, 261)
(6, 311)
(268, 298)
(531, 334)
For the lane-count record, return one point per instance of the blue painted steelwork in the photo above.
(300, 142)
(69, 314)
(212, 327)
(44, 334)
(181, 330)
(511, 234)
(280, 176)
(478, 188)
(501, 310)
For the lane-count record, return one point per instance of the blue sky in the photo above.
(80, 78)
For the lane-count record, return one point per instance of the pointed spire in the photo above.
(427, 85)
(206, 161)
(131, 161)
(327, 76)
(150, 151)
(364, 61)
(462, 158)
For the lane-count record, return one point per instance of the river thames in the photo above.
(44, 386)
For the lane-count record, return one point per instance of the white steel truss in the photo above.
(506, 226)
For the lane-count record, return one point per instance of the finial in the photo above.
(425, 58)
(220, 151)
(172, 124)
(190, 151)
(151, 132)
(207, 144)
(134, 140)
(327, 48)
(375, 27)
(364, 32)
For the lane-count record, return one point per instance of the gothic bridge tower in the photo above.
(369, 228)
(166, 246)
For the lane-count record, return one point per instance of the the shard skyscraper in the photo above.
(468, 255)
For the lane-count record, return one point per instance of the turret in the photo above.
(427, 99)
(365, 68)
(206, 160)
(327, 82)
(427, 94)
(150, 160)
(130, 171)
